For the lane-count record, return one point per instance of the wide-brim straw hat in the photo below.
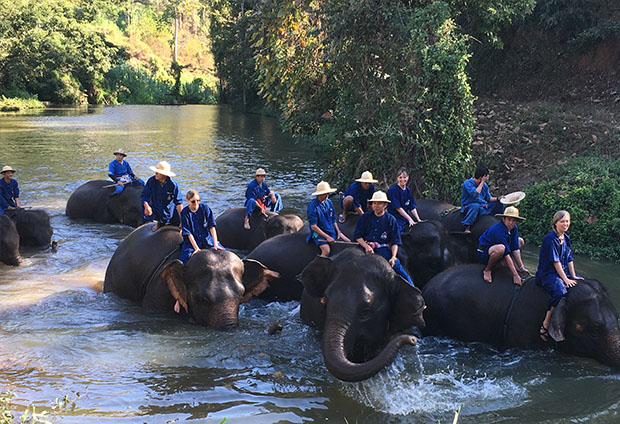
(511, 212)
(366, 178)
(7, 168)
(379, 196)
(260, 171)
(323, 188)
(513, 198)
(120, 152)
(163, 168)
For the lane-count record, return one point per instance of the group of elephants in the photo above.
(365, 310)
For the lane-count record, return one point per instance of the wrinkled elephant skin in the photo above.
(33, 226)
(9, 242)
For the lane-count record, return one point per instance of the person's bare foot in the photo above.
(246, 224)
(467, 230)
(156, 226)
(486, 275)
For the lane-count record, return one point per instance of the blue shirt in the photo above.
(470, 195)
(256, 191)
(360, 196)
(499, 234)
(197, 223)
(400, 199)
(118, 169)
(553, 251)
(9, 192)
(162, 197)
(323, 215)
(381, 229)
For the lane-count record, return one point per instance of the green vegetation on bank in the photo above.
(16, 104)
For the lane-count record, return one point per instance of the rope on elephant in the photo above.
(515, 295)
(447, 211)
(158, 269)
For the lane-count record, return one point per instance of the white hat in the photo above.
(379, 196)
(260, 171)
(511, 212)
(366, 178)
(163, 168)
(323, 188)
(6, 168)
(120, 152)
(513, 198)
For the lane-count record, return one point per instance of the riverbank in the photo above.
(14, 104)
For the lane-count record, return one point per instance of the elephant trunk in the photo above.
(335, 353)
(223, 316)
(611, 353)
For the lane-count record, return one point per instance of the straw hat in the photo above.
(163, 168)
(120, 152)
(511, 212)
(323, 188)
(6, 168)
(379, 196)
(366, 178)
(513, 198)
(260, 171)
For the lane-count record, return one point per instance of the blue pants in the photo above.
(250, 204)
(398, 268)
(472, 211)
(134, 182)
(174, 220)
(187, 249)
(553, 285)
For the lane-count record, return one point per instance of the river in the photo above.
(60, 335)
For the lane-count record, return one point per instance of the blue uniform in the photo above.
(163, 198)
(497, 234)
(360, 196)
(382, 232)
(400, 199)
(546, 276)
(198, 225)
(472, 202)
(323, 215)
(118, 170)
(8, 193)
(256, 191)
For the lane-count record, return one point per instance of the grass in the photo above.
(14, 104)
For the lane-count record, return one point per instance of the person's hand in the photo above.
(341, 236)
(330, 239)
(485, 178)
(500, 197)
(147, 210)
(570, 283)
(525, 270)
(485, 206)
(177, 307)
(392, 261)
(517, 280)
(411, 222)
(368, 249)
(576, 277)
(10, 208)
(216, 246)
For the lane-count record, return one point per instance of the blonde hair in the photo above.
(558, 216)
(191, 193)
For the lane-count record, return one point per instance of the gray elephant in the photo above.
(9, 242)
(463, 306)
(210, 286)
(232, 235)
(33, 226)
(93, 200)
(433, 209)
(364, 309)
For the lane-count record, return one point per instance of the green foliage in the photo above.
(135, 85)
(12, 104)
(200, 90)
(589, 189)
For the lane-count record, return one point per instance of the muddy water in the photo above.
(60, 335)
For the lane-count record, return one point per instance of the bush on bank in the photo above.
(589, 189)
(13, 104)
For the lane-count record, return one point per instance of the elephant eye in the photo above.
(365, 314)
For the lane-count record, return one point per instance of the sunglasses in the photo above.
(195, 201)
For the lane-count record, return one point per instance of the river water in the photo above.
(59, 335)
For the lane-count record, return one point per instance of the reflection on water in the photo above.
(61, 335)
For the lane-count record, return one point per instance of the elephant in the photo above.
(364, 309)
(287, 254)
(93, 200)
(430, 209)
(9, 242)
(232, 235)
(210, 286)
(463, 306)
(33, 226)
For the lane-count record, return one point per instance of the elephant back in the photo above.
(138, 258)
(90, 201)
(33, 227)
(126, 207)
(429, 209)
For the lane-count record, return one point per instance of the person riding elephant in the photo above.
(9, 242)
(210, 286)
(121, 173)
(463, 306)
(477, 200)
(92, 201)
(402, 206)
(322, 219)
(161, 197)
(364, 309)
(355, 197)
(9, 190)
(258, 195)
(197, 227)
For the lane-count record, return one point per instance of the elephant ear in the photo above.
(173, 274)
(256, 278)
(407, 306)
(314, 276)
(558, 321)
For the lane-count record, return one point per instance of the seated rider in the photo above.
(355, 198)
(197, 227)
(476, 198)
(9, 190)
(121, 173)
(377, 232)
(403, 205)
(501, 242)
(258, 195)
(161, 197)
(556, 270)
(322, 219)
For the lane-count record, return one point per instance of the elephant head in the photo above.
(585, 323)
(9, 242)
(210, 286)
(367, 308)
(276, 224)
(33, 226)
